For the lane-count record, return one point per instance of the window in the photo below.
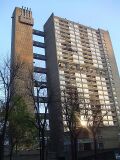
(76, 26)
(83, 75)
(100, 146)
(85, 85)
(98, 82)
(61, 72)
(94, 61)
(94, 57)
(110, 118)
(86, 90)
(75, 56)
(62, 82)
(71, 32)
(80, 90)
(97, 78)
(76, 33)
(87, 146)
(84, 80)
(105, 123)
(90, 34)
(100, 92)
(91, 45)
(105, 88)
(111, 123)
(81, 62)
(79, 45)
(101, 97)
(79, 85)
(96, 65)
(104, 83)
(99, 87)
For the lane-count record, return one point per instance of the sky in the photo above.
(102, 14)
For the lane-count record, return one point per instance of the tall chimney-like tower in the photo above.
(22, 51)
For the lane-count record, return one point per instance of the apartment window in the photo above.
(94, 61)
(86, 96)
(80, 90)
(62, 82)
(83, 75)
(56, 20)
(77, 74)
(107, 102)
(80, 58)
(86, 90)
(59, 53)
(61, 72)
(105, 117)
(90, 38)
(94, 57)
(89, 31)
(76, 26)
(62, 78)
(85, 85)
(103, 83)
(91, 45)
(96, 65)
(96, 43)
(110, 118)
(78, 37)
(90, 34)
(92, 49)
(100, 64)
(79, 84)
(111, 123)
(96, 46)
(78, 79)
(72, 36)
(105, 123)
(98, 82)
(71, 32)
(105, 88)
(79, 45)
(81, 62)
(101, 97)
(84, 80)
(100, 92)
(101, 101)
(76, 33)
(62, 87)
(93, 53)
(99, 87)
(97, 78)
(95, 38)
(105, 93)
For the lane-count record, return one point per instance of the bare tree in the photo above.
(71, 116)
(38, 92)
(94, 120)
(7, 77)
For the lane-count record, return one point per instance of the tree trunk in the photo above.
(1, 147)
(72, 147)
(11, 151)
(75, 148)
(43, 145)
(95, 147)
(39, 142)
(2, 136)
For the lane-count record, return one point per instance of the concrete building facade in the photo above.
(78, 58)
(81, 59)
(22, 52)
